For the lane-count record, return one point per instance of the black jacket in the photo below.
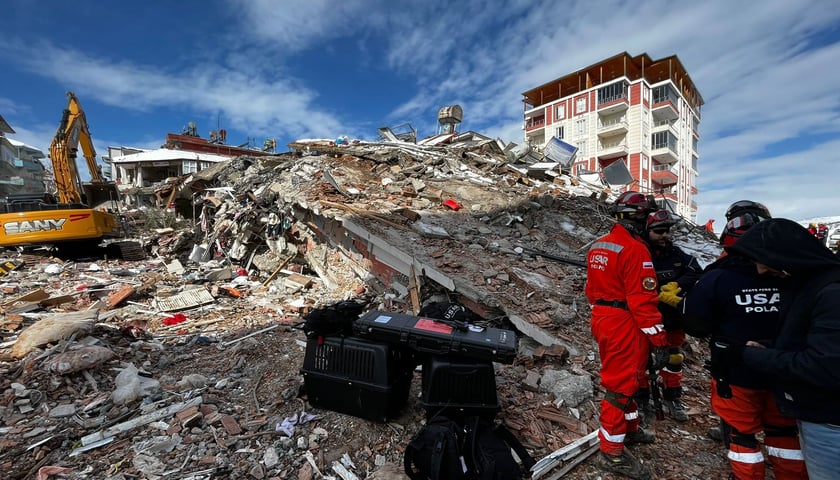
(804, 357)
(733, 304)
(674, 265)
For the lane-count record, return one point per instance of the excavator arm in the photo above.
(73, 131)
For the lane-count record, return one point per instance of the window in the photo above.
(580, 105)
(580, 127)
(560, 112)
(612, 92)
(560, 133)
(189, 166)
(581, 153)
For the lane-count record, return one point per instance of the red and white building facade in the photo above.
(643, 112)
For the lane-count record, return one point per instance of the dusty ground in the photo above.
(257, 382)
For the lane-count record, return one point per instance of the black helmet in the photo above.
(633, 205)
(747, 206)
(660, 218)
(738, 226)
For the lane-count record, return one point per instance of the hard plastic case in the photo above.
(357, 377)
(459, 387)
(436, 337)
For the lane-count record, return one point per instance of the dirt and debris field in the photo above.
(186, 365)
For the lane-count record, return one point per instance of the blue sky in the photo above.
(768, 71)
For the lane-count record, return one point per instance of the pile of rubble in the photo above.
(186, 364)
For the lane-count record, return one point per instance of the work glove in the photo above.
(669, 294)
(675, 359)
(660, 358)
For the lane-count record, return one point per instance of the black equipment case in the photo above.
(357, 377)
(458, 387)
(437, 336)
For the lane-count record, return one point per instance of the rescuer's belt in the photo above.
(612, 303)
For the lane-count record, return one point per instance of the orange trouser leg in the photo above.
(782, 441)
(624, 352)
(743, 412)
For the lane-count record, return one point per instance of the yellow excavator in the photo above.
(79, 216)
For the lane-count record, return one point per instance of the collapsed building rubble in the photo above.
(203, 334)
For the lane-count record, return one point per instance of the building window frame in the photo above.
(580, 105)
(560, 111)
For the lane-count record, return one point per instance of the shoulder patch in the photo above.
(649, 283)
(647, 265)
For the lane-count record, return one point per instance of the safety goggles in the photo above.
(743, 222)
(661, 230)
(749, 206)
(659, 216)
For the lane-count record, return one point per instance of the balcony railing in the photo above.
(612, 98)
(664, 174)
(664, 168)
(622, 121)
(613, 126)
(533, 123)
(612, 149)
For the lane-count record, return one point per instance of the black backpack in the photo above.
(487, 448)
(435, 452)
(478, 450)
(334, 319)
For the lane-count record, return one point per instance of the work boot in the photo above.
(639, 436)
(646, 414)
(625, 464)
(715, 434)
(677, 410)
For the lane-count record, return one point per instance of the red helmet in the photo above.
(736, 227)
(747, 206)
(633, 205)
(660, 218)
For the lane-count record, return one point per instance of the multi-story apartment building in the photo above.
(21, 170)
(643, 112)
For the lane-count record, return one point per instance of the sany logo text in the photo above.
(28, 226)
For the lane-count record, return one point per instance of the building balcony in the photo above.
(661, 125)
(664, 175)
(666, 109)
(611, 127)
(614, 104)
(534, 123)
(615, 149)
(693, 206)
(694, 191)
(664, 153)
(669, 196)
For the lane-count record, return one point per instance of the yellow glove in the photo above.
(668, 294)
(676, 359)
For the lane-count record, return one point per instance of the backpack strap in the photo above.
(436, 457)
(508, 437)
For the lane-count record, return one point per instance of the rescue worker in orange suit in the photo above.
(812, 229)
(822, 231)
(621, 287)
(732, 304)
(671, 265)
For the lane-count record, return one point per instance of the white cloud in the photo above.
(250, 103)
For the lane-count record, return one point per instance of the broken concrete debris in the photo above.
(97, 382)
